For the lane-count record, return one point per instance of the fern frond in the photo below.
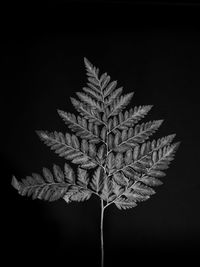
(144, 164)
(94, 104)
(78, 191)
(128, 119)
(101, 154)
(77, 194)
(97, 180)
(87, 112)
(108, 90)
(93, 91)
(107, 193)
(140, 189)
(118, 189)
(69, 174)
(127, 164)
(69, 147)
(119, 104)
(103, 90)
(110, 100)
(136, 193)
(83, 129)
(93, 80)
(124, 203)
(148, 180)
(110, 163)
(140, 158)
(130, 138)
(56, 185)
(50, 187)
(120, 179)
(92, 71)
(82, 177)
(161, 160)
(104, 81)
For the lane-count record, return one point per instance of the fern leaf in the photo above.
(77, 194)
(109, 100)
(161, 142)
(83, 178)
(68, 147)
(149, 181)
(90, 102)
(92, 150)
(47, 175)
(119, 104)
(69, 174)
(110, 142)
(80, 125)
(120, 179)
(127, 165)
(104, 81)
(87, 112)
(93, 80)
(110, 163)
(161, 159)
(142, 189)
(97, 181)
(94, 87)
(107, 192)
(103, 133)
(91, 90)
(126, 139)
(124, 203)
(118, 189)
(129, 118)
(81, 195)
(94, 84)
(140, 159)
(108, 90)
(51, 188)
(15, 183)
(100, 88)
(136, 193)
(92, 71)
(114, 163)
(101, 154)
(119, 160)
(88, 165)
(58, 173)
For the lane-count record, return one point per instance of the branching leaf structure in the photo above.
(112, 152)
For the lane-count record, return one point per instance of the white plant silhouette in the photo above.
(125, 165)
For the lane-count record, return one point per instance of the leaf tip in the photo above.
(42, 134)
(150, 107)
(74, 101)
(159, 122)
(176, 145)
(15, 183)
(88, 64)
(59, 111)
(85, 60)
(172, 136)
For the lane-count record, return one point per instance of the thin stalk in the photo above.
(102, 244)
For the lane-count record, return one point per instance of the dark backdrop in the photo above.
(151, 49)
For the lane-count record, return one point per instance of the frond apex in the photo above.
(87, 62)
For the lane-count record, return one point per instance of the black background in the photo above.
(152, 49)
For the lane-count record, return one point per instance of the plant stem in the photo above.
(102, 245)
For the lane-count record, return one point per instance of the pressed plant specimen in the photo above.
(112, 154)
